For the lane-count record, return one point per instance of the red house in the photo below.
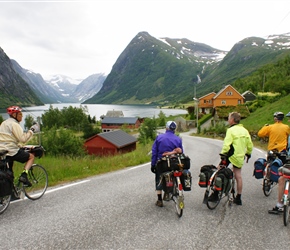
(110, 143)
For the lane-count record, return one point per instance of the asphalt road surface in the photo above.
(117, 211)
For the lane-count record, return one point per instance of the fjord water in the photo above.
(98, 110)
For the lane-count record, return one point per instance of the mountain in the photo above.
(13, 89)
(45, 92)
(152, 70)
(89, 87)
(165, 70)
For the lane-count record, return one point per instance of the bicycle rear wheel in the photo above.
(38, 177)
(267, 186)
(213, 204)
(4, 203)
(286, 213)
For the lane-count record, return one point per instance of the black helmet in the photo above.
(279, 116)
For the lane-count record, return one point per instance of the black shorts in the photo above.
(21, 156)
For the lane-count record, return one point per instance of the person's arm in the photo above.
(227, 143)
(264, 131)
(22, 137)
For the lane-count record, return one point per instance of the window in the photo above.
(229, 93)
(223, 102)
(239, 102)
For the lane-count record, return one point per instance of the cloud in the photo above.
(81, 38)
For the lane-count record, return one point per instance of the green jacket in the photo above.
(239, 141)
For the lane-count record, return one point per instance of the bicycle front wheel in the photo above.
(38, 177)
(4, 203)
(178, 200)
(267, 187)
(286, 213)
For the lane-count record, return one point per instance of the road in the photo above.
(117, 211)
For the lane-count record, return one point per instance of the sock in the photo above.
(159, 197)
(25, 171)
(279, 205)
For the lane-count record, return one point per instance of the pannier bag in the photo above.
(223, 180)
(186, 180)
(36, 150)
(259, 167)
(274, 173)
(205, 173)
(173, 162)
(6, 180)
(167, 182)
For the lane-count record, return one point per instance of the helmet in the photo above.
(13, 109)
(279, 115)
(288, 115)
(171, 125)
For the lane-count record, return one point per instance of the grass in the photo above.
(64, 169)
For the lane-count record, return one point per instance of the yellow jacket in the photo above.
(278, 135)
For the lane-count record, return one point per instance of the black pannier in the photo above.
(205, 173)
(173, 162)
(6, 180)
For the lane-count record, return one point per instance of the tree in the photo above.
(147, 131)
(28, 121)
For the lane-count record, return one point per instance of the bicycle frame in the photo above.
(285, 200)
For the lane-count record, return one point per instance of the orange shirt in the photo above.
(278, 135)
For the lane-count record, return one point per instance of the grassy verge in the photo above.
(64, 169)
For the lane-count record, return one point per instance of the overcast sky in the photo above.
(81, 38)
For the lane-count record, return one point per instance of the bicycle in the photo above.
(285, 172)
(269, 184)
(228, 192)
(175, 188)
(37, 176)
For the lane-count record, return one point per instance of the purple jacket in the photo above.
(164, 143)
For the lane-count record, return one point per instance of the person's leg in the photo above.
(281, 184)
(239, 181)
(158, 186)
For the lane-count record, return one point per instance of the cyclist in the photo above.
(11, 136)
(163, 143)
(278, 134)
(237, 144)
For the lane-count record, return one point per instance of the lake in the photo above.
(98, 110)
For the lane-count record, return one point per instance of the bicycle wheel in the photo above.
(286, 213)
(37, 175)
(267, 186)
(213, 204)
(4, 203)
(178, 200)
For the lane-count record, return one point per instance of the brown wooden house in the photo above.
(115, 123)
(110, 143)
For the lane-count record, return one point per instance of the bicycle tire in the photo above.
(286, 213)
(4, 203)
(213, 204)
(38, 177)
(267, 187)
(178, 200)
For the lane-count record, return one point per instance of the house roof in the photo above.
(114, 113)
(119, 138)
(120, 120)
(248, 92)
(212, 93)
(222, 90)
